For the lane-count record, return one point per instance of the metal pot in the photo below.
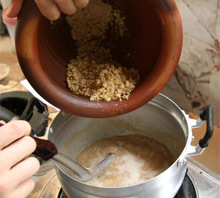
(160, 119)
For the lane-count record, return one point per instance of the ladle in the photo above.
(47, 150)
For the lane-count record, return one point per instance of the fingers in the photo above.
(14, 8)
(20, 191)
(51, 9)
(12, 131)
(24, 189)
(22, 170)
(81, 3)
(66, 6)
(16, 168)
(2, 122)
(48, 8)
(17, 182)
(17, 151)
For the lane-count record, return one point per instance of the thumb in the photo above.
(14, 8)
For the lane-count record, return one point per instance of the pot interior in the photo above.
(160, 119)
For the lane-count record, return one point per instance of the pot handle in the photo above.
(28, 111)
(41, 107)
(206, 115)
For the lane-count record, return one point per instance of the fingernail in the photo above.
(8, 10)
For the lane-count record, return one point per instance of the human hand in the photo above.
(16, 167)
(51, 9)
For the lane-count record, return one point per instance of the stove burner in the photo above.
(187, 190)
(62, 194)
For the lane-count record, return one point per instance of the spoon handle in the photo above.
(79, 171)
(45, 149)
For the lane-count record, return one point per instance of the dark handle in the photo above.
(45, 149)
(6, 114)
(41, 107)
(207, 115)
(27, 113)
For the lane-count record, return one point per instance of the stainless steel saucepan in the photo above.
(160, 119)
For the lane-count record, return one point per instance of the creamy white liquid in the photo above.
(137, 159)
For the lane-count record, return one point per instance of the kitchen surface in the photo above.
(195, 84)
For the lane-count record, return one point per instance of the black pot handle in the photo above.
(6, 114)
(207, 115)
(27, 113)
(41, 107)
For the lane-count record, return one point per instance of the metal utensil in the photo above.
(47, 150)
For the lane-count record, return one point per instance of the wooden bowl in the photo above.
(44, 49)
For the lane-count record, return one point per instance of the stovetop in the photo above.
(201, 183)
(206, 182)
